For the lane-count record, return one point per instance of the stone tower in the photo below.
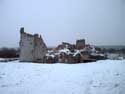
(32, 47)
(80, 44)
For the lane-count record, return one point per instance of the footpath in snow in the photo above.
(102, 77)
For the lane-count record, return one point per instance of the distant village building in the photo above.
(80, 44)
(32, 47)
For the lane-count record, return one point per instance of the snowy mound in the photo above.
(102, 77)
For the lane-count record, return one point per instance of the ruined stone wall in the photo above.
(26, 47)
(80, 44)
(40, 49)
(32, 47)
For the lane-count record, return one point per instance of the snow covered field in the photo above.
(102, 77)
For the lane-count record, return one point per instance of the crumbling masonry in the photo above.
(32, 47)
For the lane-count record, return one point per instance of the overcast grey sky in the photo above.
(100, 22)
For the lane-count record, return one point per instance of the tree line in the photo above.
(9, 52)
(111, 50)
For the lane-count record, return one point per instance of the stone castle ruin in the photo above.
(32, 47)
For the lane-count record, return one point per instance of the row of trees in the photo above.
(9, 52)
(111, 50)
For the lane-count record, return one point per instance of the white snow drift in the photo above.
(102, 77)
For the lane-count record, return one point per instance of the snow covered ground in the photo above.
(102, 77)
